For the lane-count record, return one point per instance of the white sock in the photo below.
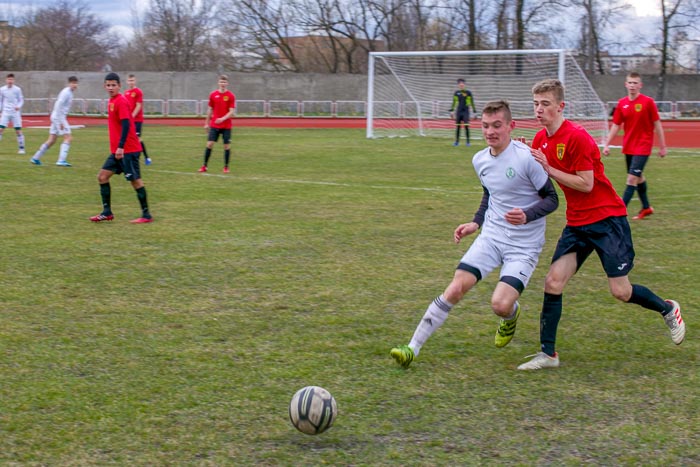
(40, 152)
(63, 154)
(512, 315)
(20, 141)
(434, 316)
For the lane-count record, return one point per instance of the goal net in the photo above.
(410, 93)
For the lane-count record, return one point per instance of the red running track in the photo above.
(679, 133)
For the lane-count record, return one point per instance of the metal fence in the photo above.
(311, 109)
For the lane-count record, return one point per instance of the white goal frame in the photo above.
(412, 114)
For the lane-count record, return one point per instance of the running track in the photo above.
(679, 134)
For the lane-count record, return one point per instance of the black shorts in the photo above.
(635, 164)
(611, 238)
(462, 117)
(224, 132)
(128, 165)
(137, 127)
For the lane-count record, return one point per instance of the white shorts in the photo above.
(56, 127)
(14, 117)
(487, 254)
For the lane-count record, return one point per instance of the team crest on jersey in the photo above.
(225, 98)
(510, 172)
(561, 149)
(111, 107)
(638, 107)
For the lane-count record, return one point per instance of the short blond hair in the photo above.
(550, 85)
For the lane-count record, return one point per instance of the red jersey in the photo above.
(135, 96)
(118, 110)
(638, 117)
(571, 149)
(221, 103)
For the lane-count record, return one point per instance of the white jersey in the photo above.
(62, 105)
(11, 99)
(513, 179)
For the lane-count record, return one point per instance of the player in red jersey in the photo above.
(222, 104)
(596, 220)
(125, 149)
(135, 97)
(640, 118)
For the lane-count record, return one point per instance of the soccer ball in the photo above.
(312, 410)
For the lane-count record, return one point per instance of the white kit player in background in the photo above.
(517, 196)
(59, 125)
(11, 101)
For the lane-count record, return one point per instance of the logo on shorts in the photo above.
(638, 107)
(622, 266)
(561, 149)
(510, 172)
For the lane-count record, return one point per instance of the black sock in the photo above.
(642, 190)
(207, 155)
(106, 194)
(466, 130)
(227, 157)
(629, 193)
(143, 148)
(141, 195)
(549, 320)
(646, 298)
(457, 134)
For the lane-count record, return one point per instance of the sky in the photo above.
(119, 13)
(646, 7)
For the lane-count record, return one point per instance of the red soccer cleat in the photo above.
(142, 220)
(102, 217)
(644, 213)
(202, 168)
(226, 170)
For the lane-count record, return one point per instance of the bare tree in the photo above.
(676, 15)
(66, 36)
(597, 15)
(265, 28)
(177, 35)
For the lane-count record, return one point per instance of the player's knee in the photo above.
(501, 307)
(554, 284)
(621, 292)
(460, 285)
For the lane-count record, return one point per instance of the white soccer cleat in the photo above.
(541, 360)
(675, 323)
(21, 151)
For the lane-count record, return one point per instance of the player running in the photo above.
(59, 125)
(596, 220)
(517, 196)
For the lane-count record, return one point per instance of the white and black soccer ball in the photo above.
(312, 410)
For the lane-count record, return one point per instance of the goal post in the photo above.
(410, 93)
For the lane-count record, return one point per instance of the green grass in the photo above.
(182, 341)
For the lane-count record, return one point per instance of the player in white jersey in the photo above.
(11, 101)
(517, 196)
(59, 125)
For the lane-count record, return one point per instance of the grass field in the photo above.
(182, 341)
